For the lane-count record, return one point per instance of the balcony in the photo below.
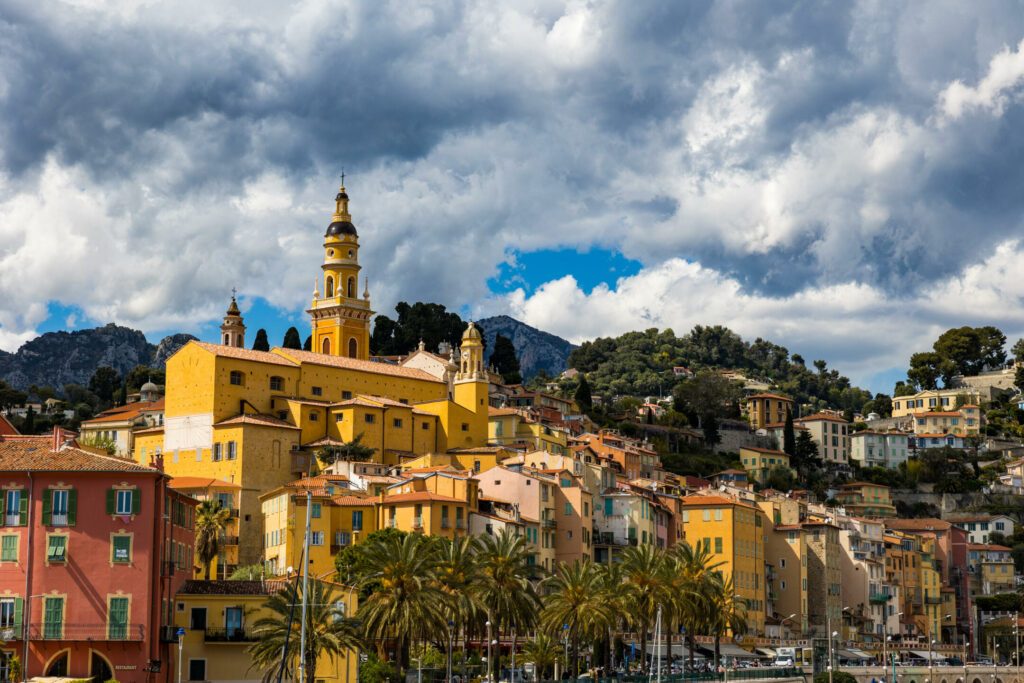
(230, 635)
(12, 519)
(933, 600)
(85, 632)
(169, 634)
(548, 523)
(229, 540)
(879, 598)
(59, 519)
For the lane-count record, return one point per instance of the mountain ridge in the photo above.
(536, 349)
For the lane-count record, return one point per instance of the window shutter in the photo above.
(136, 501)
(23, 511)
(48, 508)
(3, 504)
(72, 506)
(18, 611)
(111, 501)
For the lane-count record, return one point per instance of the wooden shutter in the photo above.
(136, 501)
(48, 508)
(72, 506)
(111, 501)
(18, 611)
(23, 509)
(3, 506)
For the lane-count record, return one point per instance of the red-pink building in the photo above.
(92, 550)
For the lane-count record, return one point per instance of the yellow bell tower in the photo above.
(471, 381)
(341, 319)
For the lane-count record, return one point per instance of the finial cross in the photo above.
(233, 292)
(343, 177)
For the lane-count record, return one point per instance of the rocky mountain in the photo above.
(535, 349)
(58, 358)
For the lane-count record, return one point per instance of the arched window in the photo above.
(227, 339)
(330, 287)
(326, 346)
(351, 288)
(353, 348)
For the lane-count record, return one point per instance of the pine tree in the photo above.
(292, 340)
(123, 399)
(29, 425)
(789, 435)
(583, 398)
(261, 342)
(504, 360)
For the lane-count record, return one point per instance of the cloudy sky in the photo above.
(843, 178)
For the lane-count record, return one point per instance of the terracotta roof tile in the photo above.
(268, 587)
(419, 497)
(819, 417)
(36, 454)
(185, 483)
(245, 354)
(353, 501)
(769, 395)
(353, 364)
(983, 546)
(256, 419)
(770, 451)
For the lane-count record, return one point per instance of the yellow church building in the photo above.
(257, 418)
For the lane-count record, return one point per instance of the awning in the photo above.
(677, 650)
(850, 654)
(861, 653)
(767, 652)
(925, 655)
(733, 650)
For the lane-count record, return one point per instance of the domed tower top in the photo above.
(341, 221)
(149, 392)
(232, 330)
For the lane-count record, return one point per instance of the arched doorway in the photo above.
(99, 668)
(353, 348)
(326, 346)
(58, 666)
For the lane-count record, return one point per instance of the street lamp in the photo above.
(931, 659)
(451, 636)
(831, 634)
(488, 625)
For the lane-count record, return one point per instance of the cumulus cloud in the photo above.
(155, 154)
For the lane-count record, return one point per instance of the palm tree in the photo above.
(693, 568)
(211, 520)
(406, 602)
(576, 605)
(645, 585)
(612, 593)
(543, 652)
(504, 590)
(728, 611)
(350, 451)
(458, 577)
(328, 631)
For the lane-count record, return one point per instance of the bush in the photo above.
(374, 670)
(837, 677)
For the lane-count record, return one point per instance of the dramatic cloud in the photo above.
(843, 160)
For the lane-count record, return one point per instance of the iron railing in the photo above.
(229, 635)
(85, 632)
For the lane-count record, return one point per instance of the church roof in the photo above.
(297, 356)
(245, 354)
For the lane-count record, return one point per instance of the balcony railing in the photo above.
(85, 632)
(59, 519)
(229, 540)
(548, 523)
(12, 519)
(880, 597)
(230, 635)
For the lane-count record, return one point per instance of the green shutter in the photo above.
(9, 548)
(122, 549)
(23, 509)
(3, 504)
(18, 611)
(72, 506)
(48, 508)
(111, 501)
(136, 501)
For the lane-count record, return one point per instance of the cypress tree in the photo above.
(308, 346)
(261, 343)
(292, 340)
(583, 398)
(789, 435)
(504, 360)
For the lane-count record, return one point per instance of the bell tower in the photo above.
(471, 389)
(340, 318)
(232, 330)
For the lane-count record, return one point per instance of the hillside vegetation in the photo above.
(641, 364)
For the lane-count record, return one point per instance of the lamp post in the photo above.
(488, 625)
(1016, 634)
(931, 659)
(831, 634)
(451, 626)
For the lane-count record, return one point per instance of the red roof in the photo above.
(985, 546)
(185, 483)
(770, 451)
(819, 417)
(6, 428)
(353, 364)
(768, 395)
(419, 497)
(37, 454)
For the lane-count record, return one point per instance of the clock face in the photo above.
(465, 354)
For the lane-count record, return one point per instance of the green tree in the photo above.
(789, 434)
(292, 340)
(210, 522)
(706, 399)
(431, 323)
(504, 360)
(575, 606)
(458, 577)
(405, 604)
(138, 376)
(1018, 350)
(582, 396)
(543, 651)
(1018, 375)
(261, 343)
(249, 572)
(350, 451)
(353, 566)
(645, 584)
(329, 631)
(11, 397)
(101, 442)
(728, 611)
(925, 369)
(104, 383)
(28, 425)
(692, 569)
(308, 344)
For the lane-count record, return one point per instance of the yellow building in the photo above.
(218, 618)
(436, 503)
(338, 517)
(767, 409)
(257, 419)
(513, 428)
(759, 462)
(227, 494)
(864, 499)
(934, 400)
(735, 533)
(786, 552)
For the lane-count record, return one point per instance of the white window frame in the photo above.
(122, 496)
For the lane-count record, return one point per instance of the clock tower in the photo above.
(471, 382)
(340, 318)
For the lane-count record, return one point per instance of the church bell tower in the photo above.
(340, 317)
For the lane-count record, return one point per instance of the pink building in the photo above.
(92, 550)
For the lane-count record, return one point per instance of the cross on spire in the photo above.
(343, 177)
(233, 292)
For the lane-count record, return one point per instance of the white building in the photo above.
(832, 434)
(871, 448)
(979, 527)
